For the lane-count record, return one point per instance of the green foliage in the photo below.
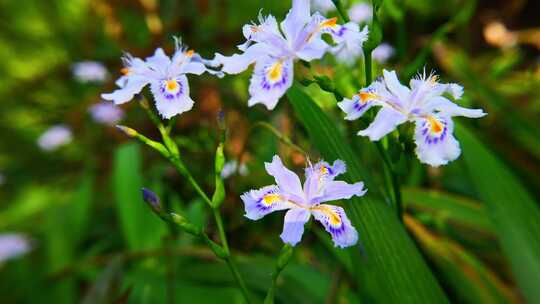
(383, 239)
(512, 210)
(140, 228)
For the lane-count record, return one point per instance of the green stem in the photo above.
(174, 158)
(238, 278)
(282, 261)
(383, 153)
(367, 66)
(279, 135)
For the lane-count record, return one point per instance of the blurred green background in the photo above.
(94, 241)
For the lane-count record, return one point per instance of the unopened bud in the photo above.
(127, 130)
(152, 200)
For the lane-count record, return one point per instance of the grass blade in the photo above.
(515, 215)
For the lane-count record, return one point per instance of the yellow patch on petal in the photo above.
(366, 96)
(330, 22)
(172, 85)
(270, 199)
(275, 71)
(190, 53)
(124, 71)
(435, 125)
(333, 217)
(324, 170)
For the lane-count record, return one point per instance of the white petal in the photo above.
(395, 87)
(170, 104)
(296, 19)
(448, 108)
(293, 226)
(238, 63)
(133, 85)
(269, 82)
(385, 122)
(439, 148)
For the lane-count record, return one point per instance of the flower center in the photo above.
(274, 73)
(269, 199)
(333, 217)
(366, 96)
(436, 126)
(171, 85)
(329, 23)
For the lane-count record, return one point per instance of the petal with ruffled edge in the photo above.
(335, 221)
(287, 181)
(131, 86)
(318, 176)
(261, 202)
(293, 226)
(172, 96)
(336, 190)
(386, 121)
(435, 143)
(270, 80)
(396, 88)
(297, 17)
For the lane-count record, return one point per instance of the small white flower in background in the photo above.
(350, 50)
(382, 52)
(55, 137)
(361, 12)
(423, 103)
(232, 167)
(106, 113)
(13, 245)
(323, 6)
(90, 71)
(166, 77)
(274, 49)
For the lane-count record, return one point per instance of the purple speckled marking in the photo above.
(267, 85)
(169, 96)
(428, 138)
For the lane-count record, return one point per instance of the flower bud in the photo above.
(127, 130)
(152, 200)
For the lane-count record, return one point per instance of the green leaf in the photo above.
(467, 277)
(515, 215)
(391, 269)
(140, 227)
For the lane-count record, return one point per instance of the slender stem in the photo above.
(221, 230)
(367, 66)
(280, 136)
(174, 158)
(238, 278)
(282, 261)
(386, 159)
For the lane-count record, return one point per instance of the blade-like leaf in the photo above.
(392, 269)
(140, 227)
(515, 216)
(469, 279)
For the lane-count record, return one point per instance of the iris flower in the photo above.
(423, 103)
(302, 202)
(166, 77)
(274, 49)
